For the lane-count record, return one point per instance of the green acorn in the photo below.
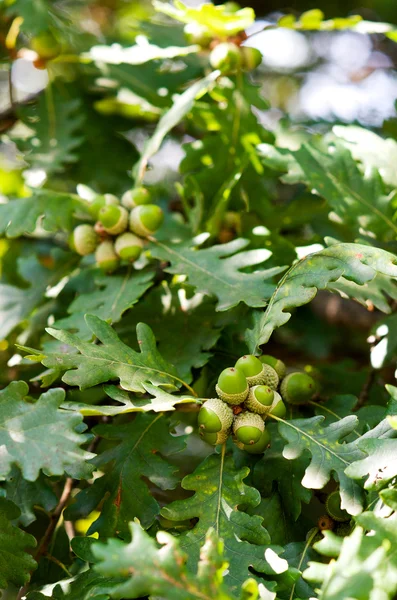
(84, 240)
(232, 386)
(252, 369)
(259, 447)
(113, 218)
(226, 57)
(333, 507)
(195, 33)
(298, 388)
(106, 257)
(260, 399)
(128, 246)
(251, 58)
(344, 529)
(278, 408)
(215, 438)
(95, 206)
(45, 45)
(276, 363)
(146, 219)
(248, 427)
(136, 197)
(215, 416)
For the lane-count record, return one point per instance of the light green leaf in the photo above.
(161, 571)
(219, 20)
(114, 295)
(141, 450)
(141, 52)
(15, 563)
(380, 465)
(172, 117)
(217, 271)
(29, 494)
(161, 401)
(29, 432)
(55, 211)
(220, 491)
(110, 360)
(17, 304)
(355, 262)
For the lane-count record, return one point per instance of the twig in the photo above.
(363, 397)
(54, 519)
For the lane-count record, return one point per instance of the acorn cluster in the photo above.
(120, 230)
(248, 393)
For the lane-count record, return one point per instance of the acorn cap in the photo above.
(215, 416)
(298, 388)
(260, 399)
(84, 240)
(333, 507)
(136, 197)
(226, 57)
(278, 408)
(95, 206)
(45, 45)
(276, 363)
(344, 529)
(251, 58)
(215, 438)
(113, 218)
(146, 219)
(259, 447)
(128, 246)
(248, 427)
(106, 256)
(232, 386)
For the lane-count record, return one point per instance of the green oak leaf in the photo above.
(15, 563)
(366, 566)
(56, 117)
(114, 294)
(29, 494)
(160, 401)
(148, 569)
(16, 303)
(40, 435)
(88, 585)
(165, 311)
(110, 360)
(316, 271)
(220, 491)
(217, 271)
(54, 211)
(380, 465)
(140, 449)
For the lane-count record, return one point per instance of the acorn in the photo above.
(83, 240)
(214, 439)
(333, 507)
(248, 427)
(260, 399)
(107, 199)
(256, 372)
(251, 58)
(45, 45)
(128, 246)
(106, 256)
(226, 57)
(275, 363)
(195, 33)
(344, 529)
(215, 416)
(146, 219)
(136, 197)
(298, 388)
(277, 408)
(259, 447)
(232, 386)
(113, 218)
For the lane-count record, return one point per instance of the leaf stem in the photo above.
(305, 549)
